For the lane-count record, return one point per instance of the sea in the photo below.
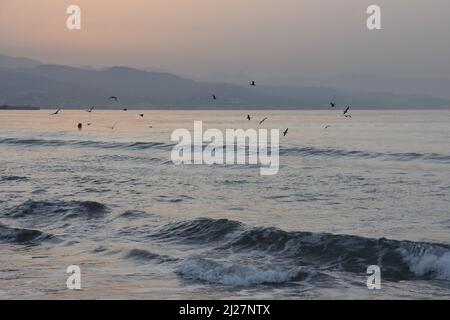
(350, 193)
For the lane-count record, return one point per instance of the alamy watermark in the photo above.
(235, 146)
(73, 22)
(74, 280)
(374, 278)
(374, 20)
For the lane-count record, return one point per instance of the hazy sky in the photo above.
(260, 37)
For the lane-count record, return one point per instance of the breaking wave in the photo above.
(236, 275)
(399, 260)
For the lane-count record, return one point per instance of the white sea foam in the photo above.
(235, 275)
(429, 263)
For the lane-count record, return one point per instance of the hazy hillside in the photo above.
(7, 62)
(321, 96)
(18, 88)
(51, 85)
(437, 87)
(56, 85)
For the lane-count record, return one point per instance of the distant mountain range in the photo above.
(437, 87)
(28, 82)
(7, 62)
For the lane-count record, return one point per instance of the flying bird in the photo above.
(91, 109)
(263, 120)
(327, 126)
(115, 124)
(248, 117)
(113, 98)
(285, 132)
(346, 110)
(333, 102)
(56, 112)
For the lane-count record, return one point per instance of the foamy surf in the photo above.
(236, 275)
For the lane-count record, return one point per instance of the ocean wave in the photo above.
(235, 274)
(12, 178)
(144, 255)
(293, 151)
(199, 230)
(134, 214)
(399, 260)
(22, 236)
(45, 211)
(173, 199)
(429, 264)
(342, 153)
(85, 144)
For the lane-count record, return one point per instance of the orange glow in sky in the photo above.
(261, 37)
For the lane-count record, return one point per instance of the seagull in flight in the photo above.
(285, 132)
(333, 102)
(113, 98)
(263, 120)
(327, 126)
(115, 124)
(346, 110)
(91, 109)
(56, 112)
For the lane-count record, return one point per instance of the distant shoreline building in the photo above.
(6, 107)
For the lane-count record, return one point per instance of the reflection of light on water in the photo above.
(314, 191)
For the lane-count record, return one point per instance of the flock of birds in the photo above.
(214, 97)
(80, 125)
